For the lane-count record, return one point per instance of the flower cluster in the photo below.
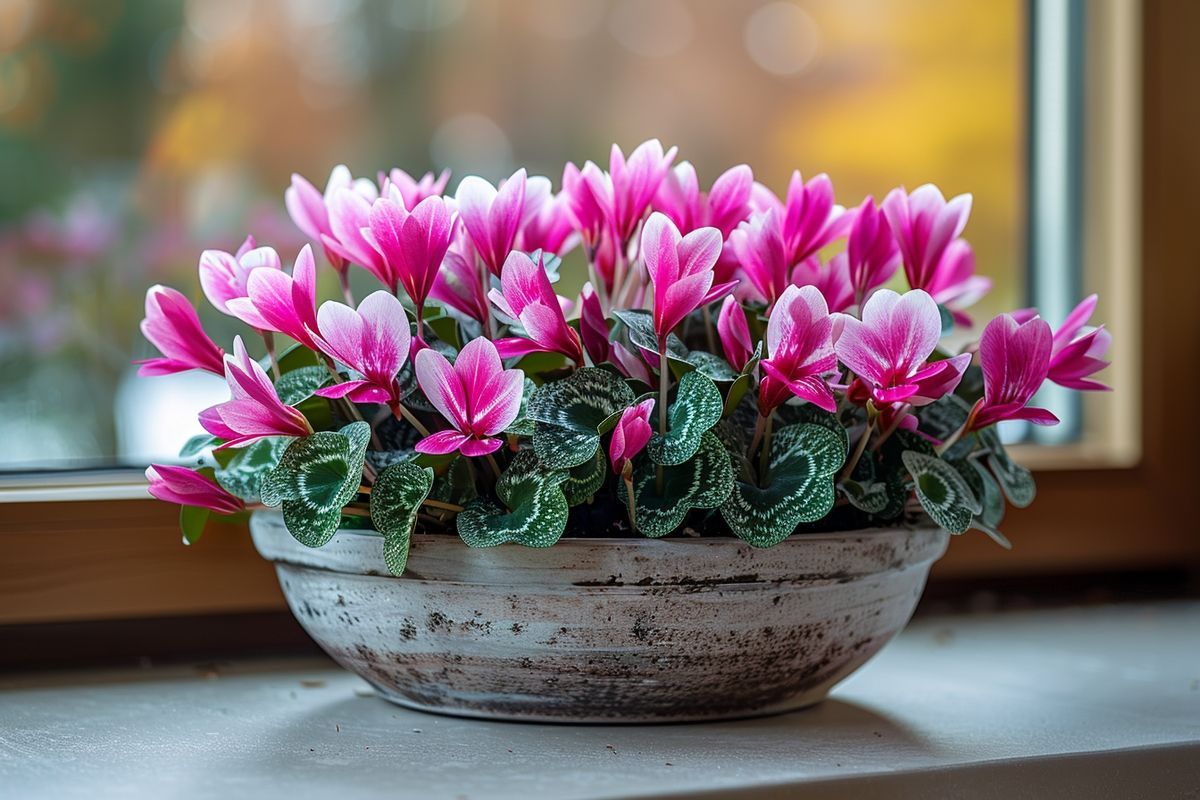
(737, 361)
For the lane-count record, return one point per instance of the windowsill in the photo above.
(1069, 703)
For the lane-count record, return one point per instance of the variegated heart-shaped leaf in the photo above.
(799, 486)
(300, 384)
(711, 366)
(522, 425)
(640, 325)
(396, 498)
(1016, 481)
(942, 492)
(534, 510)
(870, 497)
(942, 418)
(704, 481)
(991, 500)
(585, 480)
(696, 409)
(568, 415)
(315, 479)
(197, 445)
(243, 474)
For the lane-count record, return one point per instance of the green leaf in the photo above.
(871, 497)
(299, 384)
(743, 383)
(192, 520)
(804, 459)
(317, 476)
(568, 415)
(243, 474)
(942, 492)
(534, 510)
(947, 319)
(942, 418)
(585, 480)
(1016, 481)
(455, 485)
(640, 325)
(197, 445)
(702, 482)
(396, 498)
(295, 357)
(522, 425)
(712, 366)
(696, 409)
(800, 411)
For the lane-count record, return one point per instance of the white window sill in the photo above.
(1071, 703)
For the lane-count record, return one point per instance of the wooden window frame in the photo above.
(1110, 503)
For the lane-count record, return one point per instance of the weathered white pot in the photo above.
(605, 630)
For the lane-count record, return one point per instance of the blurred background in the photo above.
(135, 133)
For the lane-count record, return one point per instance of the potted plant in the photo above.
(709, 485)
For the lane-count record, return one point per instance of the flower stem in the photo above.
(659, 477)
(890, 429)
(269, 340)
(403, 413)
(344, 282)
(709, 336)
(860, 448)
(492, 463)
(630, 501)
(764, 454)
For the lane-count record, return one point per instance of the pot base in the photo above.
(605, 631)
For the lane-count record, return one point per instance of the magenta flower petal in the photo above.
(172, 325)
(441, 443)
(1015, 358)
(734, 332)
(800, 349)
(680, 267)
(187, 487)
(631, 434)
(476, 395)
(492, 217)
(593, 325)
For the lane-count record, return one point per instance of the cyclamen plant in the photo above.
(734, 366)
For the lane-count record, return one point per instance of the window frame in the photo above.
(1106, 502)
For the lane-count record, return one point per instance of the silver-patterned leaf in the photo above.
(942, 492)
(568, 415)
(804, 459)
(300, 384)
(696, 409)
(315, 479)
(704, 481)
(522, 425)
(585, 480)
(534, 510)
(396, 498)
(242, 475)
(870, 497)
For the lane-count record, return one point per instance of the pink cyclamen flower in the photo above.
(593, 325)
(871, 251)
(224, 276)
(808, 218)
(832, 280)
(631, 435)
(758, 246)
(187, 487)
(681, 269)
(254, 411)
(889, 347)
(924, 225)
(309, 209)
(492, 217)
(350, 219)
(1015, 358)
(734, 333)
(276, 301)
(723, 206)
(410, 190)
(1074, 356)
(373, 340)
(630, 184)
(800, 351)
(954, 283)
(547, 224)
(476, 395)
(459, 283)
(172, 325)
(526, 296)
(413, 244)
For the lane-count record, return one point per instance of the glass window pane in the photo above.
(134, 135)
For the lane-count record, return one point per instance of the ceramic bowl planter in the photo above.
(605, 630)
